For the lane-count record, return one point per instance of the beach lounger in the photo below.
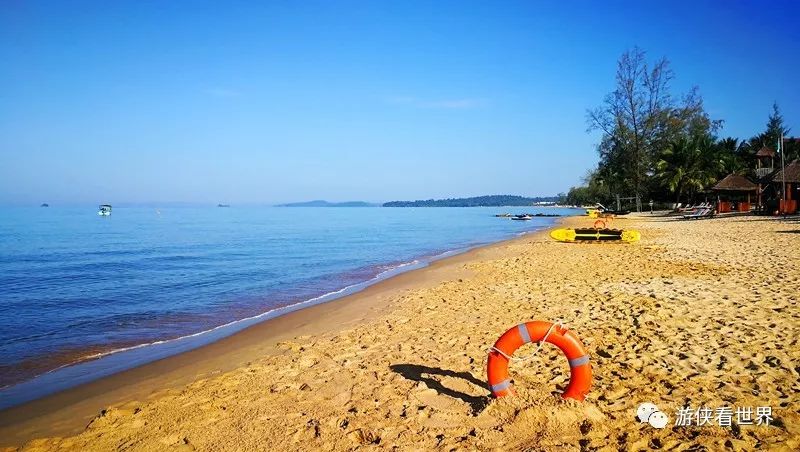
(695, 208)
(697, 212)
(705, 212)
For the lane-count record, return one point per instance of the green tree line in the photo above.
(663, 146)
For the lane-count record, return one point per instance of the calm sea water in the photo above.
(75, 286)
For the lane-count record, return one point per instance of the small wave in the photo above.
(388, 269)
(288, 308)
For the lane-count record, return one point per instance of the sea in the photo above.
(84, 296)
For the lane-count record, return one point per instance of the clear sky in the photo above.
(262, 102)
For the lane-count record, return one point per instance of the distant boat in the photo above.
(44, 204)
(223, 205)
(105, 210)
(523, 217)
(503, 215)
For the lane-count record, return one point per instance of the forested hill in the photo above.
(479, 201)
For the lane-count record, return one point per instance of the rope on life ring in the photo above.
(580, 379)
(602, 224)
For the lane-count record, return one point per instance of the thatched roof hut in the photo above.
(792, 172)
(766, 152)
(789, 193)
(735, 182)
(731, 188)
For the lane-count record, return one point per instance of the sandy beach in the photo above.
(698, 313)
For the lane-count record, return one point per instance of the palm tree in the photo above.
(727, 154)
(687, 166)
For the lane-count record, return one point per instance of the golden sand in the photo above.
(699, 313)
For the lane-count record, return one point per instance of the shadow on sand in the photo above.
(416, 372)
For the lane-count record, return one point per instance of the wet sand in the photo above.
(699, 313)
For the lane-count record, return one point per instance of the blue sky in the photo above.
(282, 101)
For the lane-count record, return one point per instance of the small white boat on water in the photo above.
(104, 210)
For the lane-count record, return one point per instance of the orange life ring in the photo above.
(580, 379)
(602, 224)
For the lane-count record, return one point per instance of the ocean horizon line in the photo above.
(231, 203)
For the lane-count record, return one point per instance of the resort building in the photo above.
(790, 176)
(734, 193)
(765, 166)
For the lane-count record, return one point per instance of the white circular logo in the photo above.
(648, 412)
(658, 419)
(645, 410)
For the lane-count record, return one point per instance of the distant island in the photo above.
(321, 203)
(478, 201)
